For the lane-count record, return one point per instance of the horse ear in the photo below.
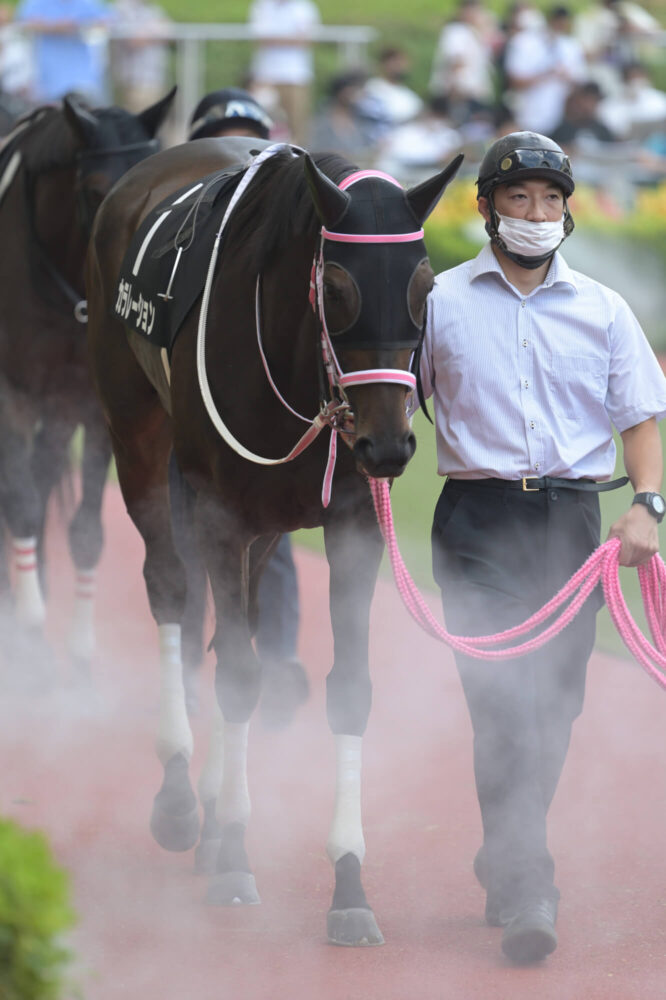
(153, 117)
(330, 202)
(84, 124)
(425, 196)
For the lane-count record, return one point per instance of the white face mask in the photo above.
(530, 239)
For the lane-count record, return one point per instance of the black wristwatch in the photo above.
(654, 502)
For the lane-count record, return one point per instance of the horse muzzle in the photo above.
(384, 457)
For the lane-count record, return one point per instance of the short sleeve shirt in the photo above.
(532, 385)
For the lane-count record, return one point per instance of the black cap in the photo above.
(524, 155)
(229, 105)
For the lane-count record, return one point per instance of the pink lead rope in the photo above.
(602, 565)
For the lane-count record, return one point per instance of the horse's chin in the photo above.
(385, 471)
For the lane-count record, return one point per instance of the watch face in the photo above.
(658, 504)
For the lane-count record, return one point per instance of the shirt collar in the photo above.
(559, 272)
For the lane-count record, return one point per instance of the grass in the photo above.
(413, 499)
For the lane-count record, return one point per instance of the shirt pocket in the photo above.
(577, 384)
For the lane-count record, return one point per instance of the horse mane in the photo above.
(281, 207)
(48, 141)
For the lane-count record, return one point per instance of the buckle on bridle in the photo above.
(529, 489)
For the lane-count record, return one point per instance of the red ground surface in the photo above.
(88, 779)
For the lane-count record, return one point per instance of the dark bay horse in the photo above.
(252, 355)
(56, 166)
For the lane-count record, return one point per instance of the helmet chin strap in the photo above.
(530, 263)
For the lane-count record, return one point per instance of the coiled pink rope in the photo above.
(603, 565)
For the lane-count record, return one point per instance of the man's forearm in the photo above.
(643, 457)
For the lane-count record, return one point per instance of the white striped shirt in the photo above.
(530, 385)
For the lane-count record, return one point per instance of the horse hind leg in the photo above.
(142, 450)
(175, 818)
(223, 787)
(223, 792)
(86, 539)
(20, 504)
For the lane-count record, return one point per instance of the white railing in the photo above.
(351, 42)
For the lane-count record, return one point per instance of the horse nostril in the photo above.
(384, 458)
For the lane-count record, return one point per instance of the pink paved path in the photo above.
(144, 932)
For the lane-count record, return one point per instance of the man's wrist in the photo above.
(653, 502)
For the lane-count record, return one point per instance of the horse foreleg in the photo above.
(354, 558)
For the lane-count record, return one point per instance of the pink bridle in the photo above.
(337, 414)
(602, 566)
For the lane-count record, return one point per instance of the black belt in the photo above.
(532, 484)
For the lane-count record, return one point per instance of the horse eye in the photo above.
(342, 299)
(420, 285)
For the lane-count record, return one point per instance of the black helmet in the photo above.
(527, 154)
(522, 155)
(231, 105)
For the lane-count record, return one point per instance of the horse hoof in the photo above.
(354, 927)
(233, 889)
(205, 856)
(173, 832)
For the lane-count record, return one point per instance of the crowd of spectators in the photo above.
(584, 78)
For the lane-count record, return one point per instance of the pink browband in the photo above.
(361, 175)
(395, 375)
(372, 238)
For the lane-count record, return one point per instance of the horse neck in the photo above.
(56, 226)
(289, 330)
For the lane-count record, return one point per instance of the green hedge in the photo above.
(34, 914)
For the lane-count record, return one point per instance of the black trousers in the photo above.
(498, 555)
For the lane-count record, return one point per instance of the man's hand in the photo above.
(637, 530)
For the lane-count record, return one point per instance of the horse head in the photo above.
(108, 142)
(373, 278)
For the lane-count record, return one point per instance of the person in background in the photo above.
(16, 71)
(462, 69)
(580, 122)
(415, 150)
(342, 125)
(70, 47)
(226, 112)
(541, 68)
(530, 366)
(140, 61)
(520, 16)
(282, 30)
(638, 106)
(394, 102)
(614, 33)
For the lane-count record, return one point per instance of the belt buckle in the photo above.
(529, 489)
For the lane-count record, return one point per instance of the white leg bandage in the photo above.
(174, 734)
(30, 609)
(233, 804)
(212, 773)
(346, 833)
(81, 641)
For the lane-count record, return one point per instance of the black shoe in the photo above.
(529, 934)
(492, 906)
